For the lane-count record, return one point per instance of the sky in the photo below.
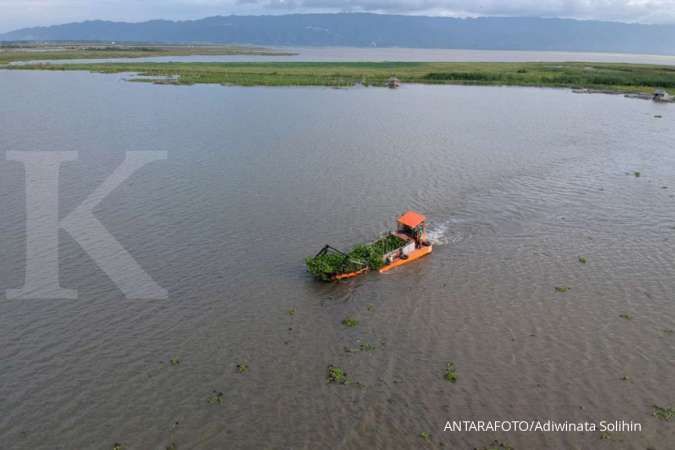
(16, 14)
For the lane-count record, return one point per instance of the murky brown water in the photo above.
(517, 184)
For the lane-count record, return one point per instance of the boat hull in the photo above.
(346, 276)
(413, 256)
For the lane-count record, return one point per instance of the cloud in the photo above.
(649, 11)
(21, 13)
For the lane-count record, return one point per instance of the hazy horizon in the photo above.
(19, 14)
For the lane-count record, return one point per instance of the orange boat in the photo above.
(412, 229)
(407, 244)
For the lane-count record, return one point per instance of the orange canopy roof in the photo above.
(411, 219)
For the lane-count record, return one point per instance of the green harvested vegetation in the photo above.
(610, 77)
(326, 265)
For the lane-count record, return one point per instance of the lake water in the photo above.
(517, 183)
(342, 54)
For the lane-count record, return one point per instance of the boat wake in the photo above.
(454, 231)
(438, 234)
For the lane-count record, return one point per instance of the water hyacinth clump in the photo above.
(336, 375)
(326, 265)
(663, 413)
(216, 398)
(349, 322)
(450, 373)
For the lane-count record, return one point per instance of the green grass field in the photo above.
(629, 78)
(19, 53)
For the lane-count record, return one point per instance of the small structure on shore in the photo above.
(393, 82)
(660, 95)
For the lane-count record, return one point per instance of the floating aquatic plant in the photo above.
(667, 331)
(349, 322)
(426, 436)
(174, 361)
(663, 413)
(242, 367)
(562, 288)
(366, 347)
(637, 174)
(117, 446)
(337, 375)
(291, 312)
(626, 316)
(496, 445)
(451, 373)
(583, 259)
(217, 398)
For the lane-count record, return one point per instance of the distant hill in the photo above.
(362, 30)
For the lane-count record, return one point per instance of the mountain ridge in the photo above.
(365, 29)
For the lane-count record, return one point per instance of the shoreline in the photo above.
(634, 80)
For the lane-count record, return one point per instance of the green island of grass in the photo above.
(22, 52)
(602, 77)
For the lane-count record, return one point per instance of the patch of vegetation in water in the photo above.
(609, 77)
(216, 398)
(366, 347)
(496, 445)
(450, 373)
(337, 375)
(636, 174)
(668, 331)
(291, 312)
(562, 288)
(426, 436)
(583, 259)
(174, 361)
(242, 367)
(363, 347)
(626, 316)
(663, 413)
(117, 446)
(350, 322)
